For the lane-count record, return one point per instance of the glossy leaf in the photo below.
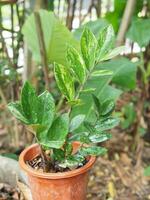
(107, 107)
(46, 109)
(88, 48)
(82, 137)
(76, 63)
(64, 81)
(76, 122)
(72, 162)
(54, 144)
(89, 126)
(16, 109)
(97, 138)
(93, 151)
(29, 102)
(113, 53)
(97, 104)
(106, 124)
(57, 133)
(105, 42)
(58, 154)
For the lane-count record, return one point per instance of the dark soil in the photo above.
(37, 164)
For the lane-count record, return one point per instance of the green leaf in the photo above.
(97, 138)
(105, 42)
(107, 107)
(129, 115)
(58, 154)
(147, 171)
(16, 109)
(76, 122)
(76, 63)
(46, 143)
(102, 73)
(139, 32)
(123, 69)
(95, 27)
(88, 48)
(29, 102)
(46, 109)
(37, 129)
(97, 104)
(82, 137)
(58, 132)
(72, 162)
(89, 126)
(93, 151)
(64, 81)
(110, 92)
(113, 53)
(56, 36)
(106, 124)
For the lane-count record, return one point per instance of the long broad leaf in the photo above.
(76, 63)
(64, 81)
(76, 122)
(29, 102)
(105, 42)
(46, 109)
(113, 53)
(16, 110)
(93, 151)
(106, 124)
(88, 48)
(58, 132)
(56, 37)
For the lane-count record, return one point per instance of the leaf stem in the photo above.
(142, 67)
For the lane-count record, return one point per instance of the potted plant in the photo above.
(57, 166)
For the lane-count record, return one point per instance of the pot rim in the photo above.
(58, 175)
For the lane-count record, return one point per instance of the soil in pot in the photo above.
(37, 164)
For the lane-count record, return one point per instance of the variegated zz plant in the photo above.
(57, 132)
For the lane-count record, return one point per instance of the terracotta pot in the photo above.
(56, 186)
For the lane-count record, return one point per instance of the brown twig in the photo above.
(70, 13)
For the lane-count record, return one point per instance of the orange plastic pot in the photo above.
(56, 186)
